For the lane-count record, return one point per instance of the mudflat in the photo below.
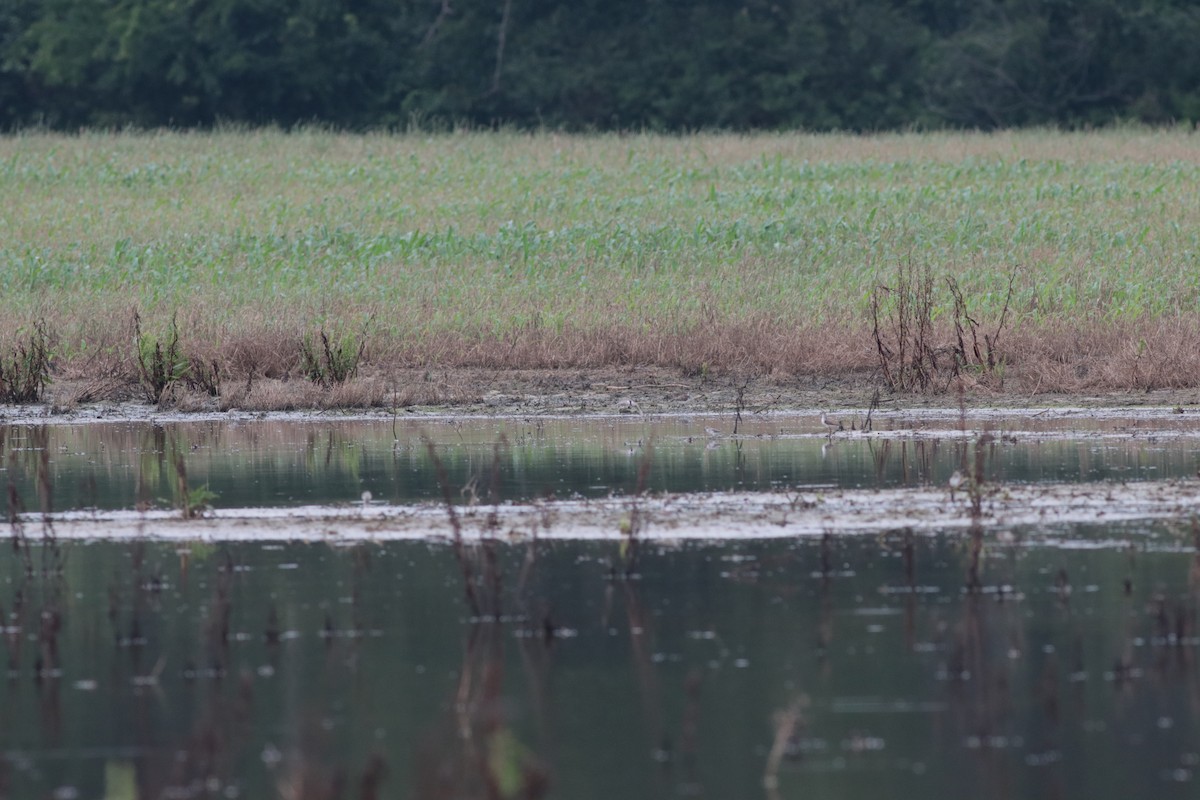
(612, 390)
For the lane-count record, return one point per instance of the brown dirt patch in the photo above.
(776, 365)
(602, 390)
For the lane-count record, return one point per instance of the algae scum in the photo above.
(617, 607)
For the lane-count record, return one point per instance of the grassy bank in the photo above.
(704, 252)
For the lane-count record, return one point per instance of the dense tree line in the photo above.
(657, 64)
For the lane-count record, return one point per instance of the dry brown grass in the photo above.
(761, 346)
(1117, 356)
(1062, 357)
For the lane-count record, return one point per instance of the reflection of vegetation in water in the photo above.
(477, 751)
(120, 780)
(282, 463)
(259, 667)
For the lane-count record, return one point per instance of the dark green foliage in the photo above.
(17, 105)
(333, 363)
(817, 64)
(25, 368)
(1016, 62)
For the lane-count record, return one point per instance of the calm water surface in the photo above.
(855, 667)
(291, 463)
(149, 670)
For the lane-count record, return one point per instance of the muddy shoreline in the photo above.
(770, 410)
(1042, 512)
(475, 393)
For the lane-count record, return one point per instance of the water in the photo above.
(852, 666)
(230, 671)
(292, 463)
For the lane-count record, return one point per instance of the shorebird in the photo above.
(712, 432)
(956, 480)
(832, 425)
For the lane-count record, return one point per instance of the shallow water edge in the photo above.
(705, 516)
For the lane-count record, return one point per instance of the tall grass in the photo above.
(505, 236)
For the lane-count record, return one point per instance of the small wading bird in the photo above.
(830, 424)
(956, 480)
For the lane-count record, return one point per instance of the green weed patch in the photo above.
(711, 251)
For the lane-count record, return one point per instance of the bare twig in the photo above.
(501, 40)
(444, 12)
(741, 405)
